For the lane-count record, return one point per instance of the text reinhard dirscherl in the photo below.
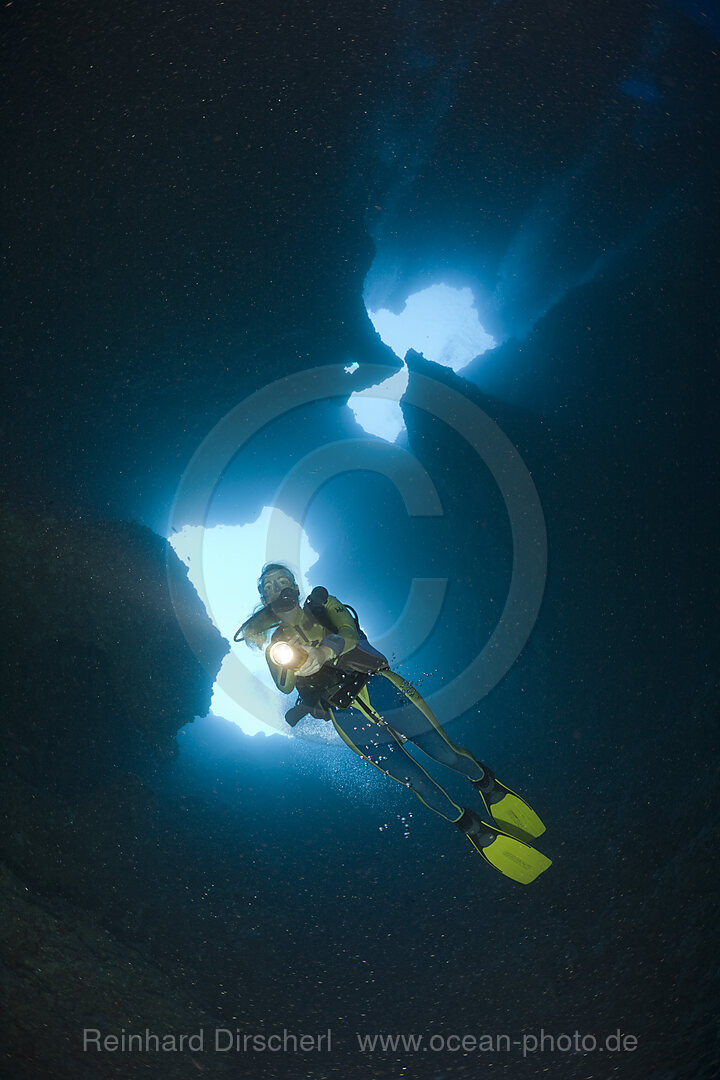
(224, 1040)
(220, 1040)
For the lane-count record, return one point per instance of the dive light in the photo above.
(287, 656)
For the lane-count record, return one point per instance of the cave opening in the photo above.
(441, 321)
(222, 563)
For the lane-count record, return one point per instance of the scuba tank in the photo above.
(316, 602)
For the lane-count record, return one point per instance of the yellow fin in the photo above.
(513, 858)
(514, 812)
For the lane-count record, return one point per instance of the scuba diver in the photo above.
(318, 649)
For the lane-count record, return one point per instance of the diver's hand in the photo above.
(318, 655)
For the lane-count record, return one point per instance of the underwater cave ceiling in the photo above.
(245, 256)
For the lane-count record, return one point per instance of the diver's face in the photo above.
(273, 584)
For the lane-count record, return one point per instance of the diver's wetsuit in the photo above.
(364, 735)
(337, 693)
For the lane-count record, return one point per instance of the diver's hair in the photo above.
(254, 631)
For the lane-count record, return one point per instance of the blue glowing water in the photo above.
(377, 409)
(223, 563)
(440, 322)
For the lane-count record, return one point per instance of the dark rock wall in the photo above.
(97, 681)
(100, 668)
